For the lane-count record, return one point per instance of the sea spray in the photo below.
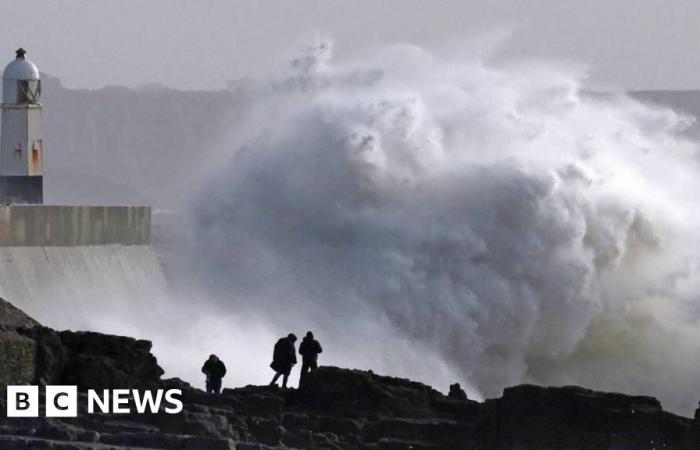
(453, 220)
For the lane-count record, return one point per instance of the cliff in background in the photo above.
(141, 146)
(336, 409)
(130, 146)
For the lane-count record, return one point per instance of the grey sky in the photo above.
(199, 44)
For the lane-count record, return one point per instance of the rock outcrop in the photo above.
(12, 318)
(17, 352)
(335, 409)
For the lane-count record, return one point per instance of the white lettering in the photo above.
(61, 401)
(120, 397)
(102, 403)
(171, 396)
(147, 400)
(22, 401)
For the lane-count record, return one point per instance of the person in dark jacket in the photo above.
(283, 358)
(215, 370)
(456, 392)
(309, 350)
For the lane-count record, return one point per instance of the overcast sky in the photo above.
(199, 44)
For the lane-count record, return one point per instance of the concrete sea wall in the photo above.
(89, 287)
(48, 225)
(88, 267)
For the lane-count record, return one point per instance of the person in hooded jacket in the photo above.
(309, 350)
(215, 370)
(283, 358)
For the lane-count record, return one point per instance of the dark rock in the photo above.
(557, 417)
(464, 410)
(257, 405)
(91, 360)
(53, 429)
(50, 355)
(393, 444)
(265, 430)
(297, 439)
(17, 352)
(300, 421)
(336, 409)
(12, 318)
(18, 356)
(338, 426)
(256, 446)
(354, 393)
(417, 430)
(199, 443)
(95, 360)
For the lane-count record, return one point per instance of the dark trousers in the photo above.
(213, 385)
(306, 367)
(284, 375)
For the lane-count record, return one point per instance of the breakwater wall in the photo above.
(68, 226)
(83, 286)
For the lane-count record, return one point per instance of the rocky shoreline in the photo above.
(336, 409)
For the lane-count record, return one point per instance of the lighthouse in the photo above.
(21, 153)
(51, 253)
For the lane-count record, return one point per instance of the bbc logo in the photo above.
(23, 401)
(62, 401)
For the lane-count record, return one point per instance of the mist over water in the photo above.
(452, 220)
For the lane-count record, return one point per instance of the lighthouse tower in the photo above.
(21, 171)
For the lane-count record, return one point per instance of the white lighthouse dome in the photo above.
(20, 80)
(20, 69)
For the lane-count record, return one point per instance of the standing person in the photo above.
(215, 370)
(309, 350)
(283, 358)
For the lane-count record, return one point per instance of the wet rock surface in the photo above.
(12, 318)
(335, 409)
(17, 352)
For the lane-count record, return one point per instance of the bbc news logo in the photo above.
(62, 401)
